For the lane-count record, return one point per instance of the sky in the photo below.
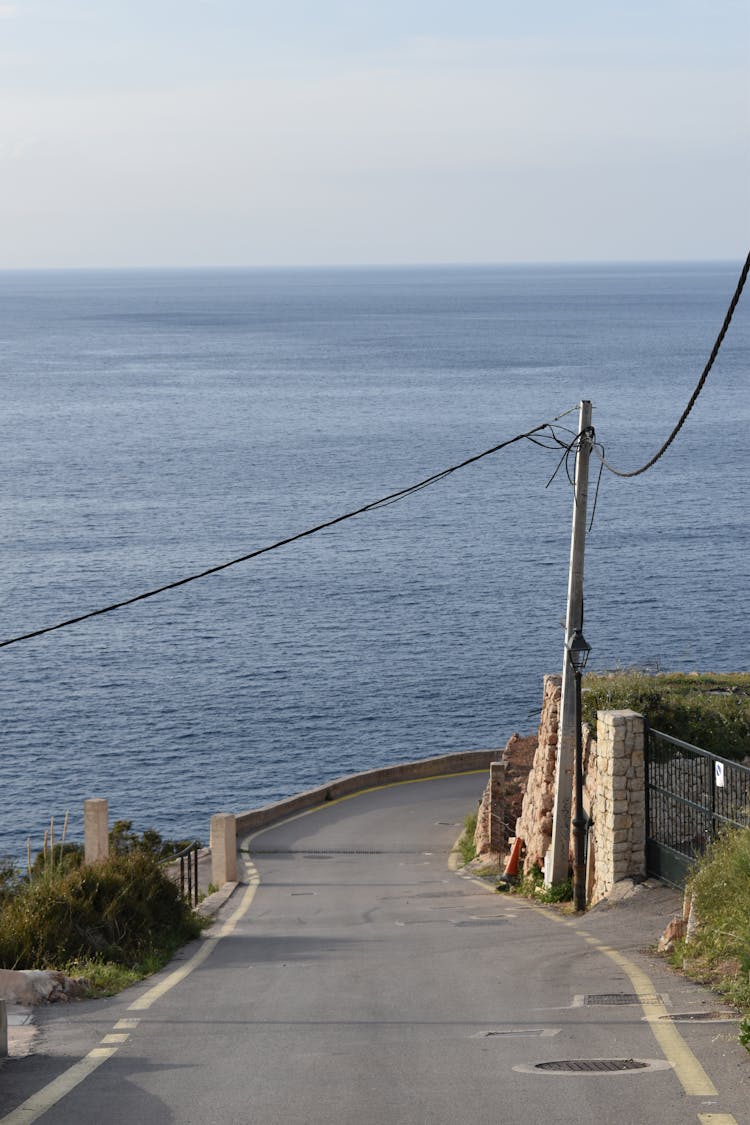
(211, 133)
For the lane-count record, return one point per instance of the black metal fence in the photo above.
(183, 867)
(690, 796)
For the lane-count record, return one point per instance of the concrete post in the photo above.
(556, 866)
(95, 829)
(223, 849)
(497, 835)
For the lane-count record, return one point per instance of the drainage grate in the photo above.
(620, 998)
(317, 853)
(711, 1017)
(593, 1066)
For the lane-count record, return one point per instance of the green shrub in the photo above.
(62, 857)
(121, 910)
(709, 710)
(122, 839)
(532, 886)
(466, 840)
(719, 952)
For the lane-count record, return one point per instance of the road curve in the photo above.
(355, 979)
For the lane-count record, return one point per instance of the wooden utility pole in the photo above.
(556, 865)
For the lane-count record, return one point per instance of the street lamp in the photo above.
(578, 654)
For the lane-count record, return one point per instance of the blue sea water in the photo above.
(156, 423)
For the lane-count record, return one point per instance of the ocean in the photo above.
(156, 423)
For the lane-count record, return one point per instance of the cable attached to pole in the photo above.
(699, 386)
(383, 502)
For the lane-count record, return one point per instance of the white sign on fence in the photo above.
(719, 773)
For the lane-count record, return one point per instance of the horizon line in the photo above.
(342, 266)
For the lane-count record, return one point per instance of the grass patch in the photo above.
(709, 710)
(532, 886)
(719, 952)
(466, 840)
(107, 978)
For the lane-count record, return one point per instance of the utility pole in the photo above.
(556, 865)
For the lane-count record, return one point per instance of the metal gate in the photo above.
(690, 796)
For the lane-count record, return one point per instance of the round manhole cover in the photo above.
(592, 1066)
(582, 1067)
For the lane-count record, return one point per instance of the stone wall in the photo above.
(534, 824)
(501, 802)
(614, 795)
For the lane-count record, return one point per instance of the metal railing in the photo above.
(188, 870)
(691, 795)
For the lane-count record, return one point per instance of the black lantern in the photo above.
(578, 651)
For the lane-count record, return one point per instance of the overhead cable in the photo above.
(384, 501)
(699, 386)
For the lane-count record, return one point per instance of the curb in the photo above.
(213, 903)
(443, 765)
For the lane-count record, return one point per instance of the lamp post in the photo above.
(578, 654)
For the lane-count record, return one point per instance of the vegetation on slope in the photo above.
(718, 953)
(112, 922)
(708, 710)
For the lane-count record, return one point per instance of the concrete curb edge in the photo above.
(443, 765)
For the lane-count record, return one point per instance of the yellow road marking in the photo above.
(169, 982)
(52, 1093)
(716, 1119)
(686, 1066)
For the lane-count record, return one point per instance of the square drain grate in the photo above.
(619, 998)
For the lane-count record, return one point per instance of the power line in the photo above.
(699, 386)
(383, 502)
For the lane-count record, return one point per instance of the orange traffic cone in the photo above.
(511, 867)
(510, 875)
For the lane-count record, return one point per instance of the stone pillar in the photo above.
(497, 833)
(223, 849)
(95, 829)
(620, 813)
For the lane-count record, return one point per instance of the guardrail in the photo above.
(188, 861)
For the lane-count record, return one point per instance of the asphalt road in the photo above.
(357, 980)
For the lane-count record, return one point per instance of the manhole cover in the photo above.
(583, 1067)
(592, 1066)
